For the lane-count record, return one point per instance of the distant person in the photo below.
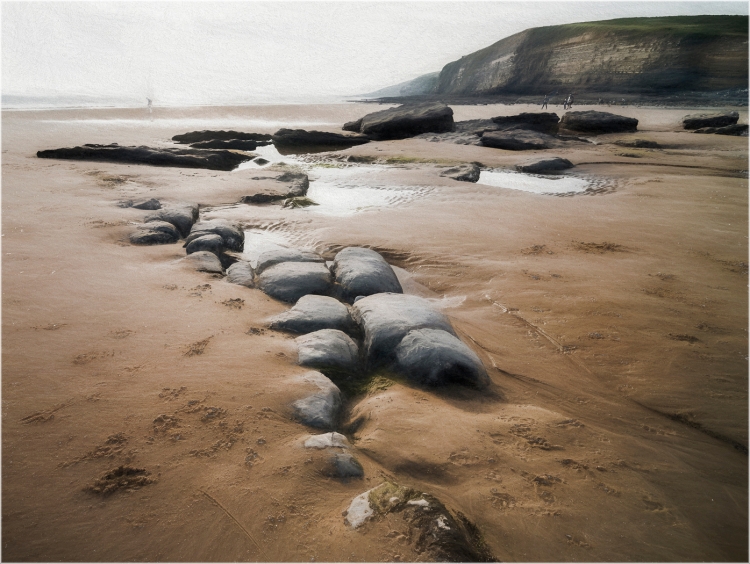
(150, 109)
(546, 99)
(569, 101)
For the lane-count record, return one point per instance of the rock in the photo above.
(289, 281)
(465, 173)
(385, 319)
(152, 204)
(433, 357)
(181, 217)
(327, 440)
(260, 161)
(698, 121)
(241, 273)
(155, 233)
(312, 313)
(343, 465)
(353, 125)
(212, 243)
(205, 261)
(185, 158)
(544, 164)
(637, 144)
(328, 348)
(363, 272)
(299, 202)
(198, 136)
(735, 129)
(543, 122)
(314, 141)
(592, 121)
(517, 140)
(236, 144)
(320, 409)
(359, 510)
(230, 233)
(298, 185)
(276, 256)
(408, 120)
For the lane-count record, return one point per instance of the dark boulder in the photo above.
(198, 136)
(543, 122)
(637, 143)
(204, 261)
(592, 121)
(342, 465)
(517, 140)
(322, 408)
(328, 349)
(434, 357)
(288, 140)
(353, 125)
(155, 233)
(151, 204)
(698, 121)
(185, 158)
(275, 256)
(544, 164)
(298, 183)
(210, 242)
(312, 313)
(385, 319)
(236, 144)
(260, 161)
(408, 121)
(289, 281)
(181, 217)
(232, 235)
(241, 273)
(464, 173)
(363, 272)
(737, 129)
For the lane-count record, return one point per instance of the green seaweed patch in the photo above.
(299, 202)
(356, 384)
(389, 497)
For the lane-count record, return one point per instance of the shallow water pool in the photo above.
(533, 183)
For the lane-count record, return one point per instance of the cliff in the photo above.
(634, 55)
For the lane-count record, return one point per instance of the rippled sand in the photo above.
(612, 321)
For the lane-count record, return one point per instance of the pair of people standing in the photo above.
(566, 105)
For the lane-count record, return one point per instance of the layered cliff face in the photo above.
(690, 53)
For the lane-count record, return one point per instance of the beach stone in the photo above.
(434, 357)
(230, 233)
(353, 125)
(298, 183)
(736, 129)
(321, 409)
(205, 261)
(276, 256)
(261, 161)
(173, 157)
(637, 143)
(312, 313)
(592, 121)
(464, 173)
(359, 510)
(517, 140)
(151, 204)
(241, 273)
(363, 272)
(407, 121)
(289, 281)
(181, 217)
(155, 233)
(385, 319)
(719, 119)
(327, 440)
(544, 164)
(343, 465)
(543, 122)
(212, 243)
(208, 135)
(236, 144)
(328, 348)
(315, 140)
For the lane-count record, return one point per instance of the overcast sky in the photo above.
(230, 52)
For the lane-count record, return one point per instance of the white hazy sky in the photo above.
(241, 52)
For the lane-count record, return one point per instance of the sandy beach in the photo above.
(612, 320)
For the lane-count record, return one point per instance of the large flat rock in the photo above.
(211, 135)
(517, 140)
(407, 121)
(362, 272)
(544, 164)
(718, 119)
(312, 313)
(288, 140)
(543, 122)
(289, 281)
(592, 121)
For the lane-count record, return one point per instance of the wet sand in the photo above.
(613, 326)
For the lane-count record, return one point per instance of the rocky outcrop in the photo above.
(407, 121)
(592, 121)
(737, 129)
(206, 135)
(363, 272)
(544, 164)
(517, 140)
(182, 217)
(231, 234)
(236, 144)
(275, 256)
(298, 183)
(184, 158)
(464, 173)
(328, 349)
(698, 121)
(321, 408)
(312, 313)
(289, 281)
(543, 122)
(286, 140)
(155, 233)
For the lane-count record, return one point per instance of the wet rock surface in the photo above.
(155, 233)
(719, 119)
(241, 273)
(210, 242)
(591, 121)
(362, 272)
(407, 121)
(544, 164)
(276, 256)
(298, 183)
(289, 281)
(212, 135)
(181, 217)
(313, 141)
(517, 140)
(464, 173)
(150, 204)
(235, 144)
(328, 349)
(185, 158)
(434, 357)
(320, 409)
(543, 122)
(204, 261)
(230, 233)
(312, 313)
(637, 143)
(736, 129)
